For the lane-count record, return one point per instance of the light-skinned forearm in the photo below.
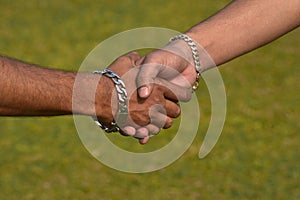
(245, 25)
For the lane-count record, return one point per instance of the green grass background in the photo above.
(257, 156)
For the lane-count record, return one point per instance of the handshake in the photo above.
(137, 96)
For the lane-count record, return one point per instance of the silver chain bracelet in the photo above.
(122, 102)
(195, 54)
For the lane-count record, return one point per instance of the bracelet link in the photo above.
(122, 102)
(195, 54)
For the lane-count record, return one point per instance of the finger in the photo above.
(168, 123)
(128, 130)
(140, 61)
(161, 120)
(141, 133)
(144, 140)
(134, 57)
(148, 130)
(174, 92)
(186, 78)
(146, 77)
(172, 109)
(152, 129)
(124, 63)
(145, 90)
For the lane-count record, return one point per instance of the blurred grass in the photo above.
(257, 156)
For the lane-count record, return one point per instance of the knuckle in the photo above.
(155, 130)
(178, 112)
(187, 96)
(140, 119)
(123, 59)
(168, 123)
(151, 58)
(157, 99)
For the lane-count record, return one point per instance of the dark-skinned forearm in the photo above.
(27, 89)
(30, 90)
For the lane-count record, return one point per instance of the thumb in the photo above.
(174, 92)
(140, 61)
(145, 79)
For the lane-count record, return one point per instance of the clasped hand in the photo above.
(152, 100)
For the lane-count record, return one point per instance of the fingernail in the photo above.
(129, 130)
(143, 92)
(143, 132)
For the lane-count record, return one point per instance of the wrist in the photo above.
(106, 103)
(94, 96)
(121, 93)
(194, 52)
(204, 44)
(181, 49)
